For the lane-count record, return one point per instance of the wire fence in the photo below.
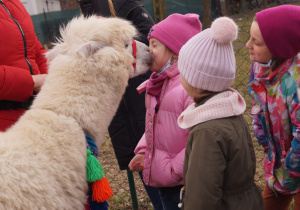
(243, 17)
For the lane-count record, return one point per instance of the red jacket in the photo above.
(20, 53)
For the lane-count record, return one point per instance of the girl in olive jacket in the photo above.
(219, 164)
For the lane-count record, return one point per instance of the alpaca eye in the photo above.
(126, 45)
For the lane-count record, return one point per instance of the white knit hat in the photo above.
(207, 60)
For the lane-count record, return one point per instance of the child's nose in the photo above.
(248, 44)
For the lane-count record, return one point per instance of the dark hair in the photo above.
(202, 94)
(274, 65)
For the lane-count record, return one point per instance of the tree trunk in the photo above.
(206, 13)
(265, 4)
(69, 4)
(159, 10)
(228, 8)
(242, 5)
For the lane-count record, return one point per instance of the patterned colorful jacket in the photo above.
(276, 124)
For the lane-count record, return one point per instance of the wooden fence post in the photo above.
(159, 10)
(206, 13)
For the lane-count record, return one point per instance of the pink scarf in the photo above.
(155, 84)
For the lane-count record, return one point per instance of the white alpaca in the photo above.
(43, 156)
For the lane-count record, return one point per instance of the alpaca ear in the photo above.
(90, 48)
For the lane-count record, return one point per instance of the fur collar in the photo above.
(225, 104)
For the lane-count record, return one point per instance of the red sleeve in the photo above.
(40, 57)
(16, 84)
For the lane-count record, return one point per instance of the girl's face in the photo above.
(258, 49)
(160, 53)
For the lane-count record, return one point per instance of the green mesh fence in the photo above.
(46, 25)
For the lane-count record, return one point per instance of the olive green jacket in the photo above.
(220, 163)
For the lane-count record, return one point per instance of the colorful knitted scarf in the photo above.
(99, 188)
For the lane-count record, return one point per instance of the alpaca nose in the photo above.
(150, 59)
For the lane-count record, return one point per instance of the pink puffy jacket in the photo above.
(163, 141)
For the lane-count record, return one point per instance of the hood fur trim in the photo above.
(225, 104)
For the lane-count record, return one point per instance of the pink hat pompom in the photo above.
(224, 30)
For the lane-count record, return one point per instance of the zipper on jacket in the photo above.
(23, 36)
(154, 118)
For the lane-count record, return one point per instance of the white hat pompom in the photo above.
(224, 30)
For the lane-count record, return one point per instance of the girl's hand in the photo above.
(137, 162)
(38, 80)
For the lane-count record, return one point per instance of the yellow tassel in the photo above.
(101, 190)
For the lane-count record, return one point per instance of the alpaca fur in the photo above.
(43, 156)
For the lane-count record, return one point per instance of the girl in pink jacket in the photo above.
(160, 152)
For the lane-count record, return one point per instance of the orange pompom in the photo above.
(101, 190)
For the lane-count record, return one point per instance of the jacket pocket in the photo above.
(176, 176)
(284, 179)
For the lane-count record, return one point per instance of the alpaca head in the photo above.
(89, 68)
(85, 36)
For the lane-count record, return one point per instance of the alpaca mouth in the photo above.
(149, 60)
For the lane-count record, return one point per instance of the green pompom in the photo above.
(94, 170)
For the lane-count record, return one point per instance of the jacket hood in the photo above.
(225, 104)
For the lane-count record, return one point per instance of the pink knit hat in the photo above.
(176, 30)
(280, 29)
(207, 60)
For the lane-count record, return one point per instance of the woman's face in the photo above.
(258, 49)
(161, 54)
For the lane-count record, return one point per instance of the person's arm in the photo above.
(16, 84)
(260, 130)
(137, 162)
(38, 80)
(176, 165)
(142, 20)
(204, 171)
(41, 60)
(42, 63)
(177, 162)
(293, 156)
(258, 122)
(141, 146)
